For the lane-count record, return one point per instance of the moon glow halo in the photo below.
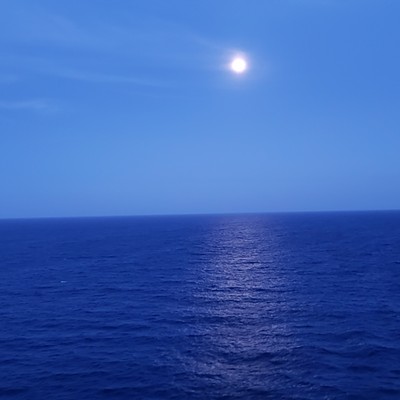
(238, 65)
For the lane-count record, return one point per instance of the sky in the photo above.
(128, 107)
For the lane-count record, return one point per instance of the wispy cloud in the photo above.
(33, 24)
(145, 53)
(151, 37)
(36, 105)
(89, 76)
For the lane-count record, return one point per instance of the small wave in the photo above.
(12, 391)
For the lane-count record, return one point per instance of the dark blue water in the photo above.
(295, 306)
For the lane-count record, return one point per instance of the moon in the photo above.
(239, 65)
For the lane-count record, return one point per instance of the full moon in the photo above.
(238, 65)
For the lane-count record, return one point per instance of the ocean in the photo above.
(269, 306)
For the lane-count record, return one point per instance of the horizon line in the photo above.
(194, 214)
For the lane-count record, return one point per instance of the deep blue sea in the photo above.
(273, 306)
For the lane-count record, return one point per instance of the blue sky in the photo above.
(127, 107)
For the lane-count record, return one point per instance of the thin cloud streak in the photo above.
(107, 78)
(153, 38)
(37, 105)
(114, 46)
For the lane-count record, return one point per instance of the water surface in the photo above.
(283, 306)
